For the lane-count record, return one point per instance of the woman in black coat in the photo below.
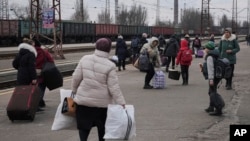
(24, 62)
(121, 52)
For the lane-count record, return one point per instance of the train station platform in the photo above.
(175, 113)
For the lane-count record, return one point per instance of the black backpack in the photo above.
(222, 68)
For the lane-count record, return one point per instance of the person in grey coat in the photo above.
(171, 51)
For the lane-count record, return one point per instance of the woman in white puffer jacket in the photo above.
(95, 83)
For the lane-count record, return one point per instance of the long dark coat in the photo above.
(121, 49)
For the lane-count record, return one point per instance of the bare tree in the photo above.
(104, 17)
(78, 15)
(123, 15)
(225, 22)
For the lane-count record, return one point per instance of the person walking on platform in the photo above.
(170, 51)
(184, 58)
(121, 52)
(154, 59)
(228, 48)
(196, 45)
(95, 85)
(211, 55)
(24, 63)
(42, 57)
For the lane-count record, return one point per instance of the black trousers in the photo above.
(213, 89)
(230, 79)
(171, 59)
(121, 62)
(185, 73)
(150, 74)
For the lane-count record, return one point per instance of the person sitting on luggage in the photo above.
(42, 56)
(211, 54)
(184, 58)
(154, 58)
(24, 63)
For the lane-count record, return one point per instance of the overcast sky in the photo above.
(219, 7)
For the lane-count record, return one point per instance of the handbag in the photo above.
(69, 106)
(62, 121)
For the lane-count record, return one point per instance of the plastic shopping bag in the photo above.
(62, 121)
(120, 123)
(159, 81)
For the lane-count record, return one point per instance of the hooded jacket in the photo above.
(209, 59)
(25, 62)
(95, 81)
(184, 46)
(172, 48)
(229, 44)
(153, 52)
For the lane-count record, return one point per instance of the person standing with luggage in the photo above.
(196, 45)
(154, 59)
(95, 85)
(24, 63)
(228, 48)
(211, 55)
(42, 57)
(170, 51)
(134, 48)
(184, 58)
(121, 52)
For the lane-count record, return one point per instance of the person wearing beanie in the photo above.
(95, 85)
(228, 48)
(184, 58)
(42, 55)
(211, 55)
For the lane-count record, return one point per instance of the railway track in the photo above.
(8, 76)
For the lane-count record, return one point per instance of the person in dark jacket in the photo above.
(211, 54)
(24, 62)
(42, 57)
(121, 52)
(143, 41)
(196, 45)
(171, 50)
(228, 48)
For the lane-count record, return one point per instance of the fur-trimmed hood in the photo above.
(152, 40)
(231, 38)
(28, 47)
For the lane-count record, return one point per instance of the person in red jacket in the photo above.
(184, 58)
(42, 57)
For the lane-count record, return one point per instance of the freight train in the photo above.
(13, 31)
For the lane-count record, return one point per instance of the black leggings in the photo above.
(171, 58)
(150, 74)
(85, 133)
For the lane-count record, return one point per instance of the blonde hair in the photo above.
(28, 41)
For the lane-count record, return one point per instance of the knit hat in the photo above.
(209, 45)
(103, 44)
(28, 41)
(228, 29)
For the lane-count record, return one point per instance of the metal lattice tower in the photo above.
(4, 9)
(234, 16)
(36, 24)
(107, 11)
(176, 3)
(205, 22)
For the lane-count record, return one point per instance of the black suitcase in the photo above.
(52, 76)
(24, 103)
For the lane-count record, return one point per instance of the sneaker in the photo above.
(148, 87)
(215, 113)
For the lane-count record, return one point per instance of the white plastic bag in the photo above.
(115, 58)
(120, 123)
(62, 121)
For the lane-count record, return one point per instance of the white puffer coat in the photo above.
(95, 81)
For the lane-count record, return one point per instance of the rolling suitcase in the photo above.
(23, 103)
(200, 53)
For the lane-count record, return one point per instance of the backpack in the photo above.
(196, 43)
(134, 43)
(186, 56)
(222, 68)
(144, 61)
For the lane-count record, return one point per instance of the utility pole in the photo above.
(157, 12)
(107, 11)
(248, 16)
(176, 2)
(234, 16)
(81, 10)
(205, 22)
(4, 10)
(36, 24)
(116, 11)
